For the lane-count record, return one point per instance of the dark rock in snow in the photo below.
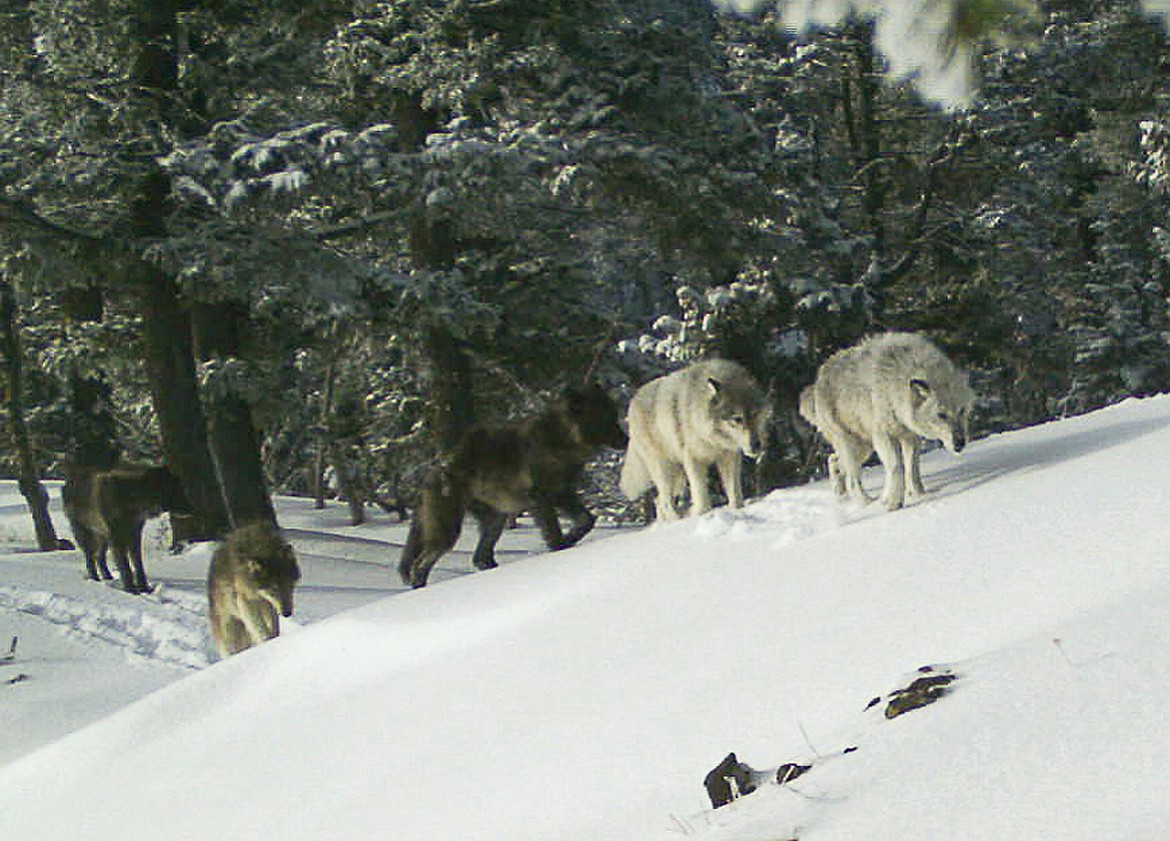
(728, 780)
(923, 691)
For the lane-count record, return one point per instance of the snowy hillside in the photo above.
(585, 694)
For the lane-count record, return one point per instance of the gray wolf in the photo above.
(529, 465)
(710, 412)
(884, 395)
(107, 508)
(249, 587)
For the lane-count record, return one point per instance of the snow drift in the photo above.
(585, 694)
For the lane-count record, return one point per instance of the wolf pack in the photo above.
(883, 397)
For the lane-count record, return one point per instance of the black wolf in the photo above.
(531, 465)
(249, 587)
(107, 508)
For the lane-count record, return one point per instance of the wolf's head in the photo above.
(268, 563)
(941, 410)
(740, 414)
(165, 491)
(595, 415)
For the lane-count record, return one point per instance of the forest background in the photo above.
(273, 242)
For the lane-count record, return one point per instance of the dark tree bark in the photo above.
(214, 449)
(171, 369)
(235, 444)
(29, 477)
(321, 461)
(452, 406)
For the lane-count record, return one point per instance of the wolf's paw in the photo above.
(891, 503)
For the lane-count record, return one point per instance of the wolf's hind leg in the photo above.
(668, 480)
(850, 454)
(836, 477)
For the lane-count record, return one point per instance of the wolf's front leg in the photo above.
(582, 517)
(894, 490)
(260, 619)
(141, 585)
(700, 494)
(730, 466)
(911, 457)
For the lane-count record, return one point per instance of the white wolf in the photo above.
(711, 412)
(884, 395)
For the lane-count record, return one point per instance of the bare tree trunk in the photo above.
(220, 435)
(452, 404)
(175, 390)
(235, 444)
(30, 485)
(352, 491)
(321, 460)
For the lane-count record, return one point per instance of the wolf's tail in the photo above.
(635, 479)
(808, 404)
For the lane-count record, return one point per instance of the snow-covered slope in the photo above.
(585, 694)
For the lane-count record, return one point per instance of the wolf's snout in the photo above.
(960, 442)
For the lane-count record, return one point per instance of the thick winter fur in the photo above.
(249, 587)
(711, 412)
(884, 395)
(532, 465)
(107, 508)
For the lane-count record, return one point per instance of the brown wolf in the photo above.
(250, 582)
(531, 465)
(107, 508)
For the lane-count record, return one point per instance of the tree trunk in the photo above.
(352, 491)
(321, 460)
(30, 485)
(452, 405)
(235, 444)
(201, 448)
(175, 392)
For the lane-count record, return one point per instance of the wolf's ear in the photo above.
(919, 390)
(716, 386)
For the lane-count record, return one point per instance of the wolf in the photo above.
(496, 472)
(249, 587)
(107, 508)
(710, 412)
(885, 394)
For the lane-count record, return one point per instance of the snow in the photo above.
(585, 694)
